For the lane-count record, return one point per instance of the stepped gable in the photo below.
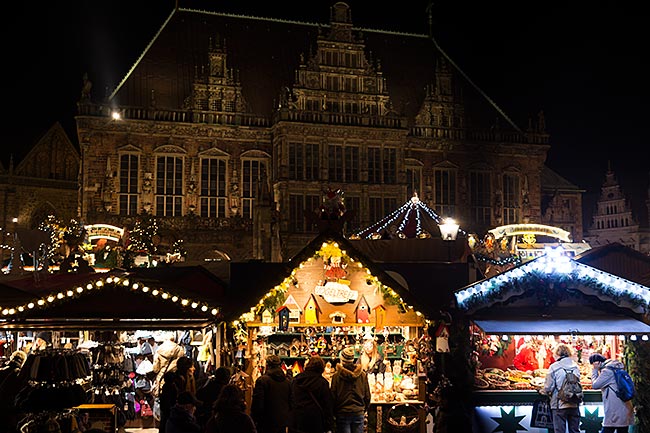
(265, 55)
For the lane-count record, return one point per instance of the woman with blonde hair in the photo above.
(564, 412)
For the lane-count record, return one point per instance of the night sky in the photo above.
(583, 64)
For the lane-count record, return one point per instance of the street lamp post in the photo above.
(449, 231)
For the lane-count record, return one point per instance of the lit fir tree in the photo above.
(141, 237)
(54, 228)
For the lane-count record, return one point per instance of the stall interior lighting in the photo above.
(556, 263)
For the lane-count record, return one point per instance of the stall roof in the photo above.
(251, 280)
(550, 279)
(619, 259)
(617, 325)
(156, 298)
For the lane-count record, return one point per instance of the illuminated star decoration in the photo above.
(508, 422)
(591, 422)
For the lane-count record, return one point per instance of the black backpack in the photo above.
(571, 389)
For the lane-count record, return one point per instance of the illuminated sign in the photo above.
(531, 229)
(104, 231)
(336, 293)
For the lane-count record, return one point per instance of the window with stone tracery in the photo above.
(128, 184)
(169, 186)
(213, 195)
(252, 175)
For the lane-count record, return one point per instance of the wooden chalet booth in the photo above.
(517, 318)
(327, 297)
(103, 314)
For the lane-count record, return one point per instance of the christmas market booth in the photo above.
(517, 318)
(109, 322)
(330, 296)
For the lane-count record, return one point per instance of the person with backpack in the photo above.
(562, 385)
(619, 412)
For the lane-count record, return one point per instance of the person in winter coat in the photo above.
(564, 413)
(164, 360)
(229, 413)
(311, 400)
(619, 414)
(10, 384)
(175, 382)
(209, 393)
(270, 402)
(350, 393)
(181, 418)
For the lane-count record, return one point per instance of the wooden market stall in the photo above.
(104, 313)
(519, 316)
(327, 297)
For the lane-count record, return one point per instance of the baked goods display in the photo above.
(513, 379)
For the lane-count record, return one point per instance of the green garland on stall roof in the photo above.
(392, 298)
(550, 289)
(637, 357)
(272, 302)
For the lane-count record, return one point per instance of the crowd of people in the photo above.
(280, 402)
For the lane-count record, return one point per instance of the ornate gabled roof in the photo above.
(165, 73)
(270, 276)
(52, 157)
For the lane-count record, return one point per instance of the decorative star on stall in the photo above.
(508, 422)
(591, 422)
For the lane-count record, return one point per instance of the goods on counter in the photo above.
(496, 378)
(392, 385)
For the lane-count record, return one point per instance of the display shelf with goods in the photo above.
(332, 298)
(519, 317)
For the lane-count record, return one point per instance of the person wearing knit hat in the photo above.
(350, 393)
(618, 415)
(42, 341)
(270, 403)
(347, 355)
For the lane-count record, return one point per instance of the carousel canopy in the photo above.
(414, 219)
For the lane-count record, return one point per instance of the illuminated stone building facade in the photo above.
(229, 130)
(44, 182)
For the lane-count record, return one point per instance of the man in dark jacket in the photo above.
(270, 402)
(350, 393)
(311, 400)
(181, 418)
